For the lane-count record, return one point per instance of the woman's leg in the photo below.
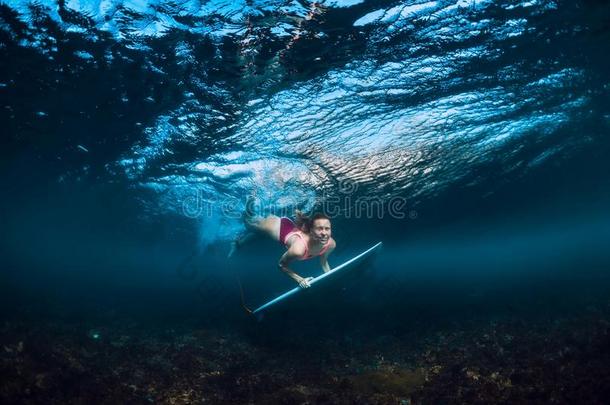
(269, 226)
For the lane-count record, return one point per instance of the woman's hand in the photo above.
(304, 282)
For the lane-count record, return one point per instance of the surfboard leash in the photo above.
(241, 294)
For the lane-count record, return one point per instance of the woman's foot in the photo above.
(249, 215)
(250, 221)
(238, 242)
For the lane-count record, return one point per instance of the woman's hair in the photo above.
(304, 222)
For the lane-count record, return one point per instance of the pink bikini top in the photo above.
(306, 255)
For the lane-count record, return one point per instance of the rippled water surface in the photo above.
(290, 98)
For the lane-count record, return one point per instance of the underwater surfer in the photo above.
(304, 239)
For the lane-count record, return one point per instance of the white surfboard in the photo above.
(343, 267)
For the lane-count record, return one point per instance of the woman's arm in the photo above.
(295, 251)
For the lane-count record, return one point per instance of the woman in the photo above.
(305, 239)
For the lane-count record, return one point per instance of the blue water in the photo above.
(470, 136)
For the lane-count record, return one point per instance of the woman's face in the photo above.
(320, 230)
